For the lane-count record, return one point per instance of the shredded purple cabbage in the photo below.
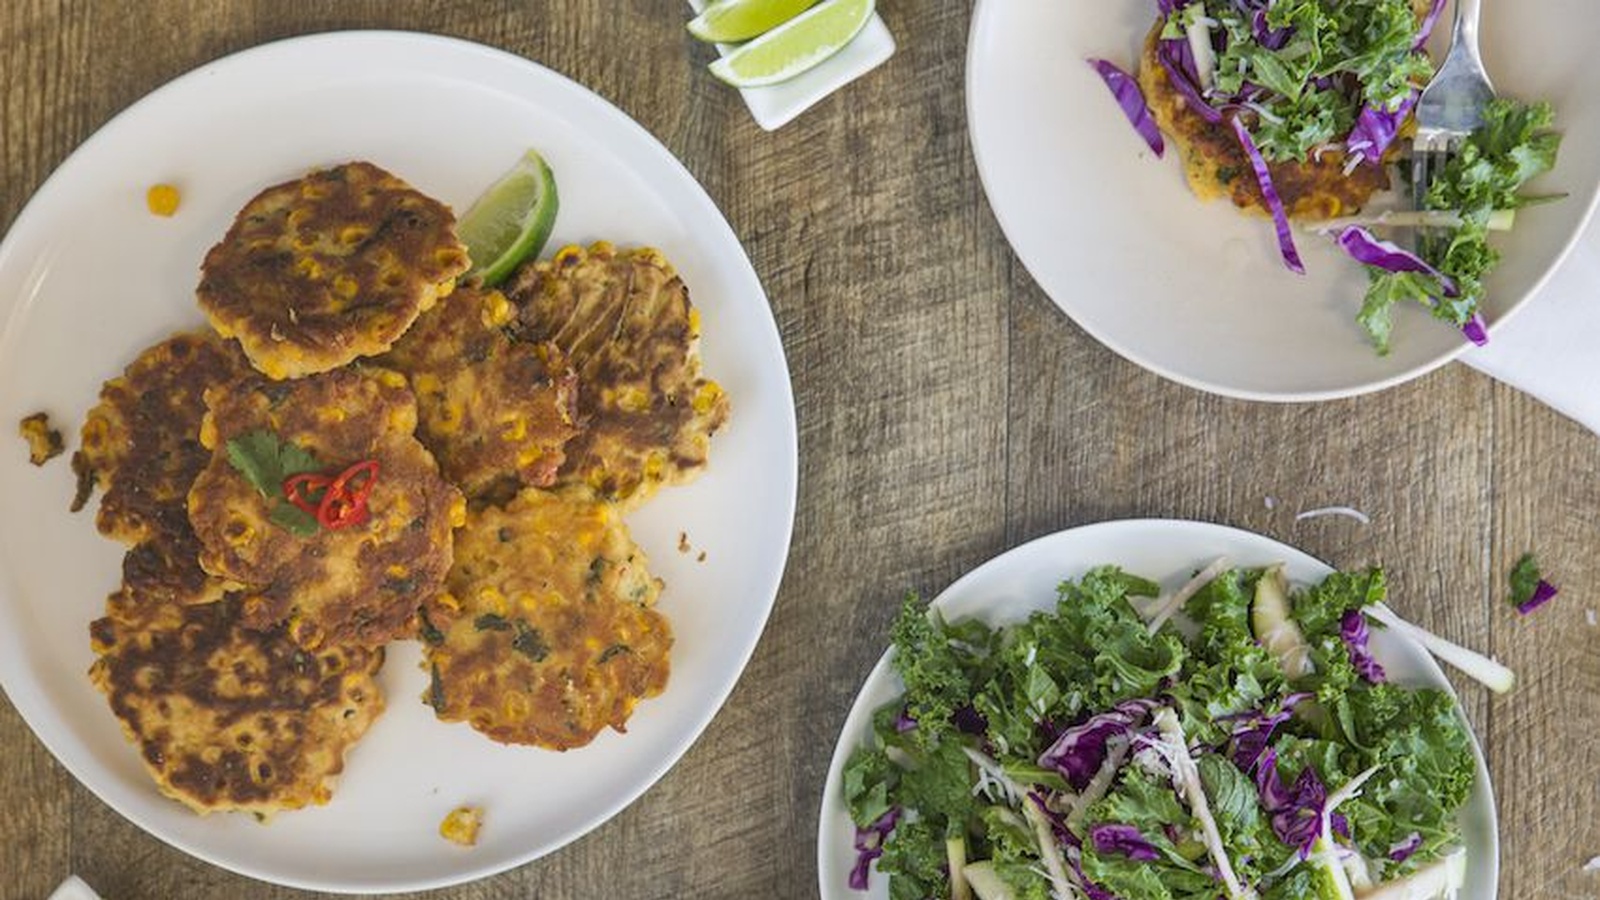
(1090, 889)
(968, 720)
(1125, 840)
(1270, 38)
(1401, 850)
(1353, 631)
(1295, 812)
(1365, 247)
(1280, 218)
(1177, 58)
(1080, 750)
(1126, 89)
(1475, 330)
(1250, 740)
(903, 722)
(1058, 822)
(1376, 128)
(1543, 593)
(1426, 28)
(869, 846)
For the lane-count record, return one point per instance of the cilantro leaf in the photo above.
(293, 519)
(266, 462)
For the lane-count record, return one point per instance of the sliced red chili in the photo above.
(337, 501)
(346, 501)
(306, 490)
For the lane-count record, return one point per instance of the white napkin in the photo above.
(1551, 347)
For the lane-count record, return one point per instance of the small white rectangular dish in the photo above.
(776, 105)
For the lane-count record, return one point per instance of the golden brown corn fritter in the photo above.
(240, 651)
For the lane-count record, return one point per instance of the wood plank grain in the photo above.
(1546, 757)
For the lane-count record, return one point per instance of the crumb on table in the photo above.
(44, 442)
(683, 542)
(462, 824)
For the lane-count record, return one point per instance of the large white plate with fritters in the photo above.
(1023, 580)
(88, 278)
(1196, 291)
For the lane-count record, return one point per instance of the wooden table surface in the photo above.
(947, 410)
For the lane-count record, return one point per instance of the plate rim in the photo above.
(847, 741)
(16, 672)
(982, 20)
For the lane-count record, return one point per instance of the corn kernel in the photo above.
(162, 199)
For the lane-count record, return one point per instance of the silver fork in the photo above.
(1451, 106)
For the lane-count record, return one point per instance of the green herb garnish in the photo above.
(266, 462)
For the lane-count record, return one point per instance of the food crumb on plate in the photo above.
(683, 542)
(162, 200)
(462, 824)
(44, 442)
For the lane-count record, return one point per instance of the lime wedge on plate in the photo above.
(729, 21)
(796, 45)
(511, 221)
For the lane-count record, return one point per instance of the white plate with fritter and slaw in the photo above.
(1196, 291)
(1024, 730)
(89, 277)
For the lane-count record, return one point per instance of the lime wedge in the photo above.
(796, 45)
(727, 21)
(511, 221)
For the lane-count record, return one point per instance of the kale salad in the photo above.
(1235, 738)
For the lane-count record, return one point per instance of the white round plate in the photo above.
(88, 278)
(1196, 291)
(1018, 582)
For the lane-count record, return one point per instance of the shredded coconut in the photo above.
(1347, 511)
(1270, 502)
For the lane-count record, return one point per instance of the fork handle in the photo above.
(1464, 28)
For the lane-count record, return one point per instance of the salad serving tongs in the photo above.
(1451, 106)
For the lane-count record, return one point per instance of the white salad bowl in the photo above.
(1012, 585)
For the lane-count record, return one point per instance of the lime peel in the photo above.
(511, 221)
(730, 21)
(796, 46)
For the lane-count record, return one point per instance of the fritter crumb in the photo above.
(44, 442)
(461, 825)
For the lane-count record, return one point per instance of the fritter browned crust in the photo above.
(359, 584)
(625, 322)
(546, 633)
(319, 271)
(141, 445)
(496, 412)
(230, 718)
(1216, 166)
